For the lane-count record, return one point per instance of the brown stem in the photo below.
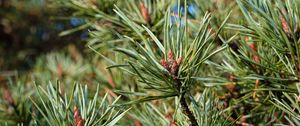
(187, 111)
(185, 107)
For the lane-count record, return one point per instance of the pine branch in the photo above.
(185, 106)
(187, 111)
(86, 111)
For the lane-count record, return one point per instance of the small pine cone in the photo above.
(247, 39)
(165, 64)
(230, 87)
(285, 25)
(174, 68)
(169, 116)
(256, 58)
(78, 121)
(231, 77)
(59, 71)
(145, 13)
(7, 97)
(172, 123)
(179, 60)
(170, 56)
(253, 47)
(170, 65)
(138, 123)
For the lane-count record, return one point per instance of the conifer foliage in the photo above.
(161, 62)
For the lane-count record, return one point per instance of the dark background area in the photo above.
(29, 28)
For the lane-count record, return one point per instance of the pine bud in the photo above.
(78, 121)
(145, 13)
